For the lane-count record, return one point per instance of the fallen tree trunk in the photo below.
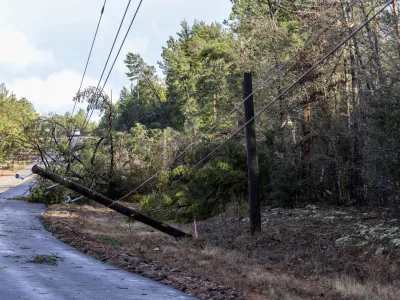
(131, 213)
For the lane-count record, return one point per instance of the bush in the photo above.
(40, 194)
(204, 192)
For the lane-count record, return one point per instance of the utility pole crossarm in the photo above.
(129, 212)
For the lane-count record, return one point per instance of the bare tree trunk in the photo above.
(355, 169)
(112, 154)
(95, 151)
(306, 149)
(347, 97)
(355, 174)
(396, 22)
(362, 64)
(215, 108)
(336, 173)
(374, 46)
(190, 111)
(165, 158)
(306, 130)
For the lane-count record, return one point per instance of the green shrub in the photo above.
(40, 194)
(203, 192)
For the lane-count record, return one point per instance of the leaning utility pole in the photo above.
(131, 213)
(252, 161)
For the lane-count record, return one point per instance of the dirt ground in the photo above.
(304, 253)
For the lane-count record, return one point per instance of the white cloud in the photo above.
(17, 50)
(154, 25)
(60, 33)
(54, 93)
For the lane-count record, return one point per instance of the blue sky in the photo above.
(45, 43)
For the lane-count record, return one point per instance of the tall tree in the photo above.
(201, 77)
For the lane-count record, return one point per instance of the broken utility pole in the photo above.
(252, 161)
(131, 213)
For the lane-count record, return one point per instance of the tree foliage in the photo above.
(14, 113)
(334, 137)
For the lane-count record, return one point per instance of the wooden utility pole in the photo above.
(252, 161)
(131, 213)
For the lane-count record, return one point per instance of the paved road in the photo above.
(9, 181)
(76, 276)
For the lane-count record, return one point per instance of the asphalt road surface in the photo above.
(9, 181)
(24, 242)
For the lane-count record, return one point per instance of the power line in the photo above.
(86, 121)
(90, 54)
(112, 66)
(105, 65)
(116, 57)
(69, 128)
(261, 86)
(155, 92)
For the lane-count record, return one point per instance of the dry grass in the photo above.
(61, 214)
(9, 167)
(293, 258)
(368, 290)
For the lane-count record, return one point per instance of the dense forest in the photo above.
(333, 138)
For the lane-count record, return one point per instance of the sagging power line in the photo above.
(90, 54)
(86, 121)
(116, 57)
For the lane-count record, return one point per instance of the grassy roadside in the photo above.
(9, 167)
(308, 253)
